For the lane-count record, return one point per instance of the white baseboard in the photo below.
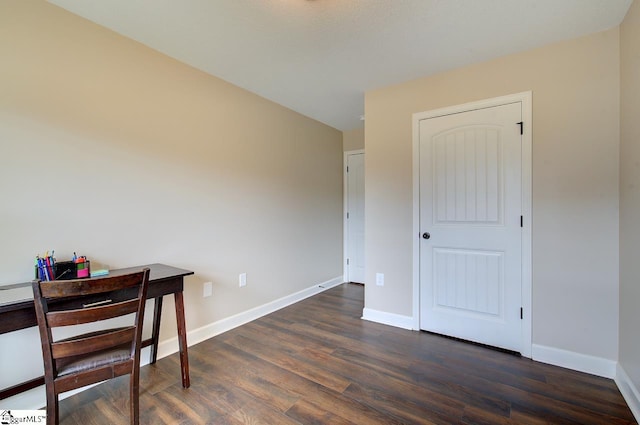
(32, 399)
(170, 346)
(629, 391)
(391, 319)
(576, 361)
(35, 398)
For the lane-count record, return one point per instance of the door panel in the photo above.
(467, 177)
(469, 281)
(355, 220)
(470, 203)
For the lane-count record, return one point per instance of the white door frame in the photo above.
(345, 203)
(526, 99)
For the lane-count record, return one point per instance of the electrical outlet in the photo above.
(242, 279)
(207, 289)
(380, 279)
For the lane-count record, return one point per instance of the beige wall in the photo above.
(115, 151)
(575, 87)
(353, 139)
(630, 194)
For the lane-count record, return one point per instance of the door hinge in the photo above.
(347, 216)
(521, 124)
(347, 261)
(521, 314)
(347, 168)
(521, 221)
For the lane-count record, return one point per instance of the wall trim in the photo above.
(629, 391)
(576, 361)
(195, 336)
(345, 222)
(391, 319)
(525, 98)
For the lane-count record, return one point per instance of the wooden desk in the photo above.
(18, 312)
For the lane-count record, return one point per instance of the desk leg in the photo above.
(182, 339)
(155, 332)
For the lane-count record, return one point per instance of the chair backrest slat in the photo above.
(91, 314)
(73, 288)
(92, 343)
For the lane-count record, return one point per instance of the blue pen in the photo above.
(46, 269)
(43, 274)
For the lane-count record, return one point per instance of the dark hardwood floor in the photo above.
(317, 362)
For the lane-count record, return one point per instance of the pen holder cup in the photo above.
(65, 270)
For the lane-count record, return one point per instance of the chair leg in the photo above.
(134, 399)
(52, 407)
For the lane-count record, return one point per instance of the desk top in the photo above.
(18, 294)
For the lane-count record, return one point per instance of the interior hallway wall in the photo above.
(353, 139)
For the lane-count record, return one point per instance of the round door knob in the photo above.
(426, 235)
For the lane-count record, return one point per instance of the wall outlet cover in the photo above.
(207, 289)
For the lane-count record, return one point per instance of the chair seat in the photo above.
(95, 360)
(71, 365)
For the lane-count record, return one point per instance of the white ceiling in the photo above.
(319, 57)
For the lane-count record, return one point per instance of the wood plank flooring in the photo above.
(317, 362)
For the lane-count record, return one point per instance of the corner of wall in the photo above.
(629, 391)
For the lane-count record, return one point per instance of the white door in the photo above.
(355, 218)
(470, 223)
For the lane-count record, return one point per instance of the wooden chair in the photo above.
(98, 355)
